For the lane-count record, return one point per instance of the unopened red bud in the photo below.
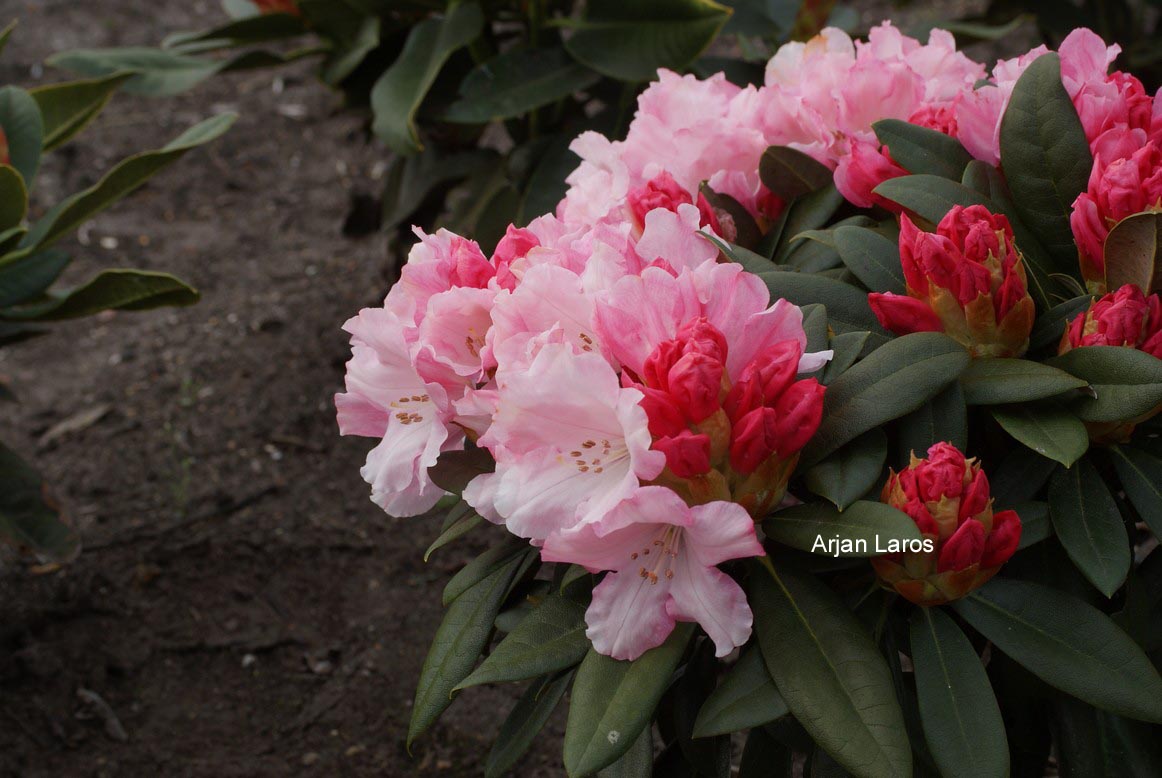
(687, 454)
(662, 191)
(799, 410)
(902, 314)
(976, 497)
(663, 415)
(964, 548)
(1003, 540)
(753, 439)
(699, 335)
(694, 382)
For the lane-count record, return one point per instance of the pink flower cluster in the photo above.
(629, 391)
(643, 400)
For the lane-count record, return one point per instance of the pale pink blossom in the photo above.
(662, 556)
(569, 443)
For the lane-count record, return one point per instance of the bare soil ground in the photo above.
(240, 607)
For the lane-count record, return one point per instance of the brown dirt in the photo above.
(240, 605)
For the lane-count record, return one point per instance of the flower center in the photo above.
(593, 456)
(409, 410)
(658, 557)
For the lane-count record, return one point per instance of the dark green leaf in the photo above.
(517, 82)
(1035, 524)
(1000, 381)
(746, 231)
(812, 526)
(459, 640)
(1127, 382)
(846, 348)
(1050, 326)
(68, 107)
(929, 196)
(109, 290)
(29, 516)
(29, 276)
(847, 308)
(630, 41)
(13, 198)
(410, 180)
(483, 566)
(460, 527)
(962, 722)
(524, 721)
(809, 212)
(1047, 428)
(1095, 743)
(456, 468)
(790, 173)
(747, 697)
(613, 702)
(549, 639)
(546, 185)
(397, 94)
(1068, 644)
(637, 762)
(1131, 253)
(241, 32)
(943, 419)
(874, 258)
(23, 128)
(829, 672)
(765, 757)
(921, 150)
(893, 380)
(847, 474)
(1141, 475)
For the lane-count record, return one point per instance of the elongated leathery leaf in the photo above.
(830, 673)
(962, 722)
(1068, 644)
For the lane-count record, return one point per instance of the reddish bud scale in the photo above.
(1126, 318)
(4, 158)
(966, 280)
(277, 6)
(948, 498)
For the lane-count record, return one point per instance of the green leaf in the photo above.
(847, 308)
(1068, 644)
(613, 701)
(1093, 742)
(1046, 157)
(23, 128)
(1131, 252)
(789, 173)
(460, 527)
(109, 290)
(1047, 428)
(397, 94)
(120, 181)
(637, 762)
(747, 232)
(68, 107)
(764, 756)
(551, 638)
(29, 516)
(158, 73)
(1127, 382)
(1089, 526)
(943, 419)
(829, 672)
(241, 32)
(893, 380)
(459, 640)
(483, 566)
(962, 722)
(456, 468)
(630, 41)
(854, 531)
(929, 196)
(1050, 326)
(746, 697)
(815, 327)
(809, 212)
(546, 185)
(412, 180)
(524, 721)
(1000, 381)
(846, 348)
(872, 257)
(1035, 524)
(921, 150)
(13, 198)
(516, 82)
(30, 276)
(847, 474)
(1141, 475)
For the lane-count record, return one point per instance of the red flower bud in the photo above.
(703, 337)
(662, 413)
(277, 7)
(1124, 186)
(694, 382)
(4, 158)
(687, 454)
(799, 410)
(948, 498)
(967, 280)
(753, 439)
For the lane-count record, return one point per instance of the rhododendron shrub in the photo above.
(794, 417)
(32, 124)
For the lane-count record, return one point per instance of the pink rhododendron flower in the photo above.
(662, 556)
(386, 398)
(1116, 190)
(569, 443)
(862, 170)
